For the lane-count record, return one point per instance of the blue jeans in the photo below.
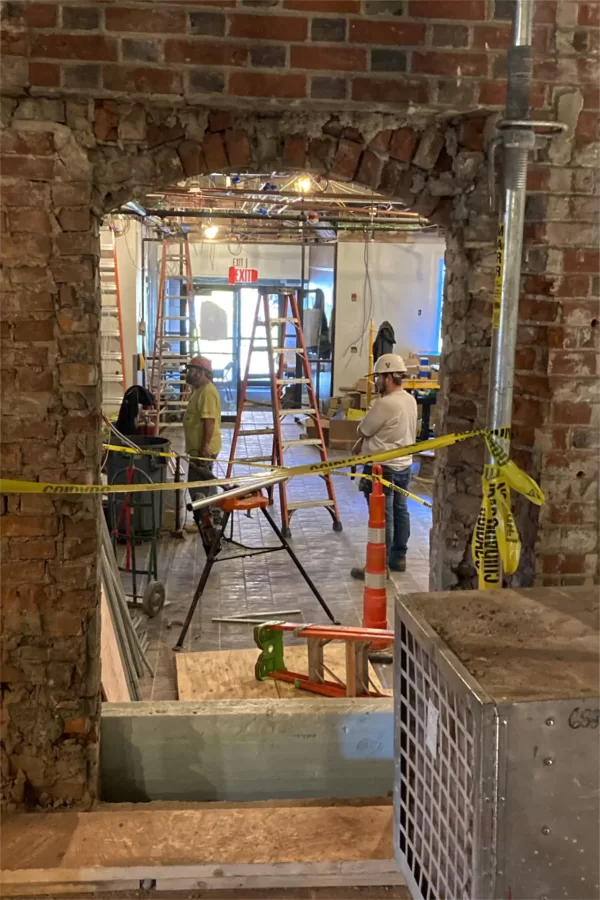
(397, 519)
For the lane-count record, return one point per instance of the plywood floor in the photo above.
(229, 674)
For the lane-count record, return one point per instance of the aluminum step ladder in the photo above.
(269, 335)
(111, 329)
(176, 339)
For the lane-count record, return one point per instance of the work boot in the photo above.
(398, 566)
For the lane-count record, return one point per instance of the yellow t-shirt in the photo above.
(204, 403)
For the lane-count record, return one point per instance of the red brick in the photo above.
(471, 133)
(566, 362)
(14, 43)
(574, 286)
(163, 134)
(205, 53)
(192, 158)
(392, 90)
(448, 9)
(404, 142)
(527, 410)
(539, 284)
(492, 93)
(143, 80)
(43, 74)
(35, 330)
(74, 218)
(219, 120)
(273, 28)
(439, 63)
(214, 152)
(369, 170)
(346, 59)
(28, 167)
(370, 31)
(589, 14)
(538, 311)
(29, 526)
(591, 97)
(27, 143)
(30, 246)
(154, 21)
(346, 159)
(238, 148)
(572, 413)
(75, 46)
(72, 272)
(294, 154)
(568, 514)
(29, 220)
(525, 358)
(499, 37)
(381, 142)
(565, 565)
(587, 125)
(42, 548)
(324, 6)
(106, 121)
(30, 380)
(41, 15)
(80, 374)
(545, 12)
(261, 84)
(582, 261)
(538, 179)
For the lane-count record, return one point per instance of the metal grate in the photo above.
(436, 757)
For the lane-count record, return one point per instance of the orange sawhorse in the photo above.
(213, 536)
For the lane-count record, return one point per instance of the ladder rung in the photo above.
(293, 380)
(114, 378)
(256, 431)
(306, 442)
(297, 412)
(256, 459)
(307, 504)
(287, 350)
(279, 321)
(176, 318)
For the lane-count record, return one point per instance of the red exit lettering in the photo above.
(242, 276)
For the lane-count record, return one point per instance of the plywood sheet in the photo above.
(114, 680)
(229, 674)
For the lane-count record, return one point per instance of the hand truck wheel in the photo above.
(154, 598)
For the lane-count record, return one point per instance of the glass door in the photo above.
(216, 314)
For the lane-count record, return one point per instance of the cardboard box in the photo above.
(311, 430)
(362, 385)
(343, 431)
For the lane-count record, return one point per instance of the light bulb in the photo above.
(303, 185)
(210, 231)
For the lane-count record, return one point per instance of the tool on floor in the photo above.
(271, 664)
(133, 518)
(214, 532)
(111, 332)
(175, 334)
(278, 337)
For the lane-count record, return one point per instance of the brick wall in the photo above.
(102, 102)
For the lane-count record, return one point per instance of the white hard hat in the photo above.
(388, 363)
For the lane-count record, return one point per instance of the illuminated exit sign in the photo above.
(239, 275)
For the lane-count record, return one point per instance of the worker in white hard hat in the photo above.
(390, 423)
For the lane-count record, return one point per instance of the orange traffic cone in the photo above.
(375, 596)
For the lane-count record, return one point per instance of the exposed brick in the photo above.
(78, 374)
(76, 218)
(136, 50)
(192, 158)
(582, 261)
(155, 21)
(268, 56)
(72, 272)
(393, 90)
(220, 120)
(206, 83)
(90, 47)
(381, 142)
(71, 194)
(448, 9)
(369, 170)
(157, 135)
(27, 143)
(571, 363)
(324, 88)
(346, 159)
(142, 80)
(328, 30)
(261, 84)
(269, 28)
(324, 6)
(28, 220)
(208, 23)
(492, 93)
(32, 247)
(450, 36)
(30, 380)
(34, 330)
(384, 7)
(384, 60)
(14, 43)
(400, 34)
(571, 413)
(214, 152)
(40, 15)
(348, 59)
(80, 18)
(40, 548)
(404, 142)
(429, 149)
(81, 76)
(238, 148)
(455, 64)
(28, 167)
(205, 53)
(294, 152)
(589, 14)
(44, 74)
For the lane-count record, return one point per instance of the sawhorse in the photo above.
(213, 536)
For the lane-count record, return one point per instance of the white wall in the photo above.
(401, 288)
(129, 270)
(276, 263)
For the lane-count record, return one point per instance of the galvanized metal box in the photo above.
(497, 765)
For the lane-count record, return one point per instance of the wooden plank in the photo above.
(114, 680)
(229, 674)
(253, 844)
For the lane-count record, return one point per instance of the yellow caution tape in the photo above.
(499, 278)
(391, 485)
(170, 454)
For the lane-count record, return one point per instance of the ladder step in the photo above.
(287, 350)
(307, 504)
(256, 459)
(305, 442)
(292, 380)
(280, 321)
(254, 431)
(297, 412)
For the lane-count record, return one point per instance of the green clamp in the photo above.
(270, 643)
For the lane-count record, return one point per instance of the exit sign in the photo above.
(239, 275)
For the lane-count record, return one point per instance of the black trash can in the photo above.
(154, 467)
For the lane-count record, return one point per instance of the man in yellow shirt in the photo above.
(202, 424)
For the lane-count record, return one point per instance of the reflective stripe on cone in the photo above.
(375, 595)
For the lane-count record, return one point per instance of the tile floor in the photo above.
(272, 581)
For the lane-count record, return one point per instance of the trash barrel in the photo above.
(155, 467)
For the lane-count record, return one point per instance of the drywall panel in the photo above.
(246, 750)
(273, 262)
(129, 271)
(393, 282)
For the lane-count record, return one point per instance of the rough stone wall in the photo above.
(74, 147)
